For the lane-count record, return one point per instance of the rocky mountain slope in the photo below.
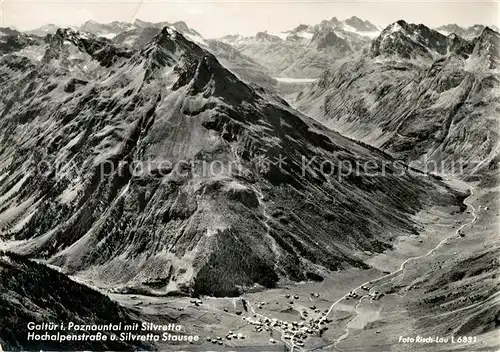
(305, 51)
(466, 292)
(32, 292)
(158, 169)
(417, 94)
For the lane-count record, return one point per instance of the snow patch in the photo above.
(305, 34)
(282, 35)
(196, 38)
(295, 80)
(233, 185)
(131, 40)
(108, 35)
(70, 193)
(74, 141)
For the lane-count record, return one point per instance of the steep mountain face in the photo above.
(302, 31)
(305, 51)
(110, 30)
(158, 172)
(411, 41)
(32, 292)
(417, 94)
(485, 54)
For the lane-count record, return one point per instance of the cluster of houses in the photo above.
(230, 336)
(375, 295)
(295, 332)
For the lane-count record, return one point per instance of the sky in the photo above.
(216, 18)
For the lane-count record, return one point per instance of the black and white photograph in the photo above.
(254, 176)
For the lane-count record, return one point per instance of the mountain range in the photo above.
(139, 33)
(465, 32)
(305, 51)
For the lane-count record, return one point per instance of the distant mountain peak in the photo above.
(181, 24)
(44, 30)
(67, 34)
(334, 20)
(488, 31)
(9, 31)
(409, 41)
(91, 22)
(141, 23)
(360, 25)
(452, 27)
(264, 36)
(327, 38)
(401, 23)
(167, 39)
(118, 23)
(300, 28)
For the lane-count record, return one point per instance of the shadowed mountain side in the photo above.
(32, 292)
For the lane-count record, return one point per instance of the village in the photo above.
(313, 321)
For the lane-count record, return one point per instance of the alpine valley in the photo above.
(270, 192)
